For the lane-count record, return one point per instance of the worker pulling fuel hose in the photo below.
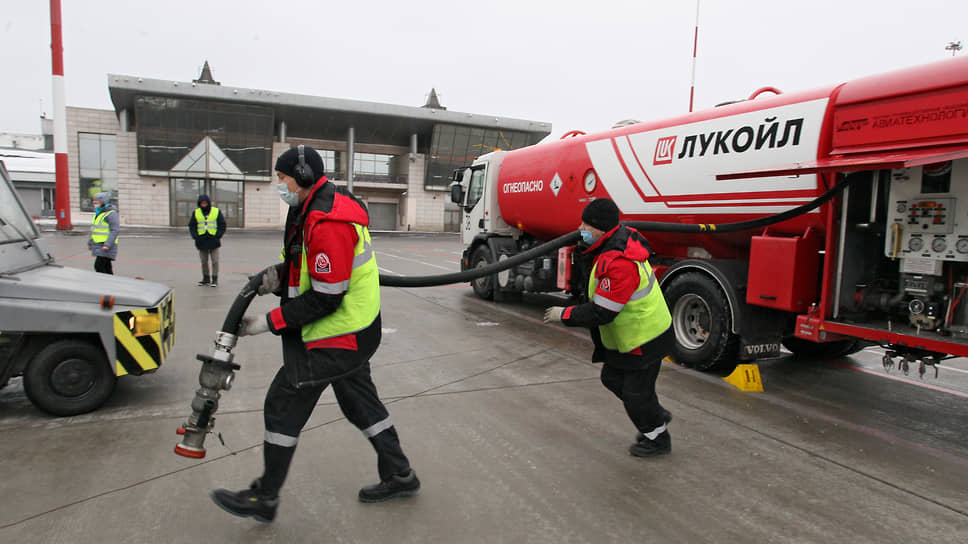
(218, 370)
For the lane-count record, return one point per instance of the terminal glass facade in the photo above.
(98, 159)
(453, 146)
(168, 128)
(226, 195)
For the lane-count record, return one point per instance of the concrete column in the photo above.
(282, 132)
(350, 140)
(413, 145)
(123, 120)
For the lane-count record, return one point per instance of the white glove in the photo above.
(251, 326)
(270, 281)
(553, 314)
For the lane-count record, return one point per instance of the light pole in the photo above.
(695, 45)
(954, 47)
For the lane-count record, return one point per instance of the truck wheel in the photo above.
(483, 286)
(69, 377)
(821, 350)
(701, 320)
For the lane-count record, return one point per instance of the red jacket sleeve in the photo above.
(329, 256)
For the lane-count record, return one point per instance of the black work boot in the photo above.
(204, 281)
(396, 486)
(650, 448)
(214, 282)
(666, 418)
(247, 503)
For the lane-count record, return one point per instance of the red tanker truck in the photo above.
(885, 261)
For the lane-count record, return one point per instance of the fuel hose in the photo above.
(241, 304)
(573, 237)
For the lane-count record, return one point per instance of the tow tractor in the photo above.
(69, 332)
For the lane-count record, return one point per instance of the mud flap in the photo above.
(760, 332)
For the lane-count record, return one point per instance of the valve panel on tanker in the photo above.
(928, 214)
(922, 273)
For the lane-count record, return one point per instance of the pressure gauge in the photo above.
(938, 245)
(590, 181)
(962, 245)
(901, 207)
(916, 244)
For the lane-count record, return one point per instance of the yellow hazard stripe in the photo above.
(134, 348)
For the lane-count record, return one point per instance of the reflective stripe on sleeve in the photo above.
(283, 440)
(377, 427)
(293, 291)
(330, 288)
(608, 304)
(364, 257)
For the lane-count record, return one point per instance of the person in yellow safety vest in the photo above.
(105, 226)
(329, 323)
(629, 320)
(207, 225)
(95, 188)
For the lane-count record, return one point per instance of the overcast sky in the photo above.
(576, 64)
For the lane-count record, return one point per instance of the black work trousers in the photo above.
(287, 409)
(636, 389)
(103, 265)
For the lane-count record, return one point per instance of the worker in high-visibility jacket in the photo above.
(207, 225)
(629, 320)
(105, 227)
(329, 322)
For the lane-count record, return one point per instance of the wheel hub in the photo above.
(72, 377)
(691, 321)
(482, 282)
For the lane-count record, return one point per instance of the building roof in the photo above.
(29, 165)
(307, 116)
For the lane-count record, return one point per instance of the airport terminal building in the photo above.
(166, 142)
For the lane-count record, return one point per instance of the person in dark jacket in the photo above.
(103, 240)
(629, 320)
(329, 323)
(207, 225)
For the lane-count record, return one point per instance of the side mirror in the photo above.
(457, 193)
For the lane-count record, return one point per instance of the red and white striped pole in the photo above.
(695, 43)
(62, 194)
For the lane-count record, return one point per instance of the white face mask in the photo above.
(287, 196)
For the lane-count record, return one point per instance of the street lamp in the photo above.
(954, 47)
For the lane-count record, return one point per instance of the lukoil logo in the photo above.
(664, 149)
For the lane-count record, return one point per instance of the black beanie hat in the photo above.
(286, 163)
(601, 213)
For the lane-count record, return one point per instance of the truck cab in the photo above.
(69, 332)
(482, 214)
(487, 238)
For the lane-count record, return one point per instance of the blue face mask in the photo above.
(287, 196)
(587, 237)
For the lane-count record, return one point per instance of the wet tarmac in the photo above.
(505, 421)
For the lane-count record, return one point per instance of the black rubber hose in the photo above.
(234, 318)
(652, 226)
(572, 238)
(493, 268)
